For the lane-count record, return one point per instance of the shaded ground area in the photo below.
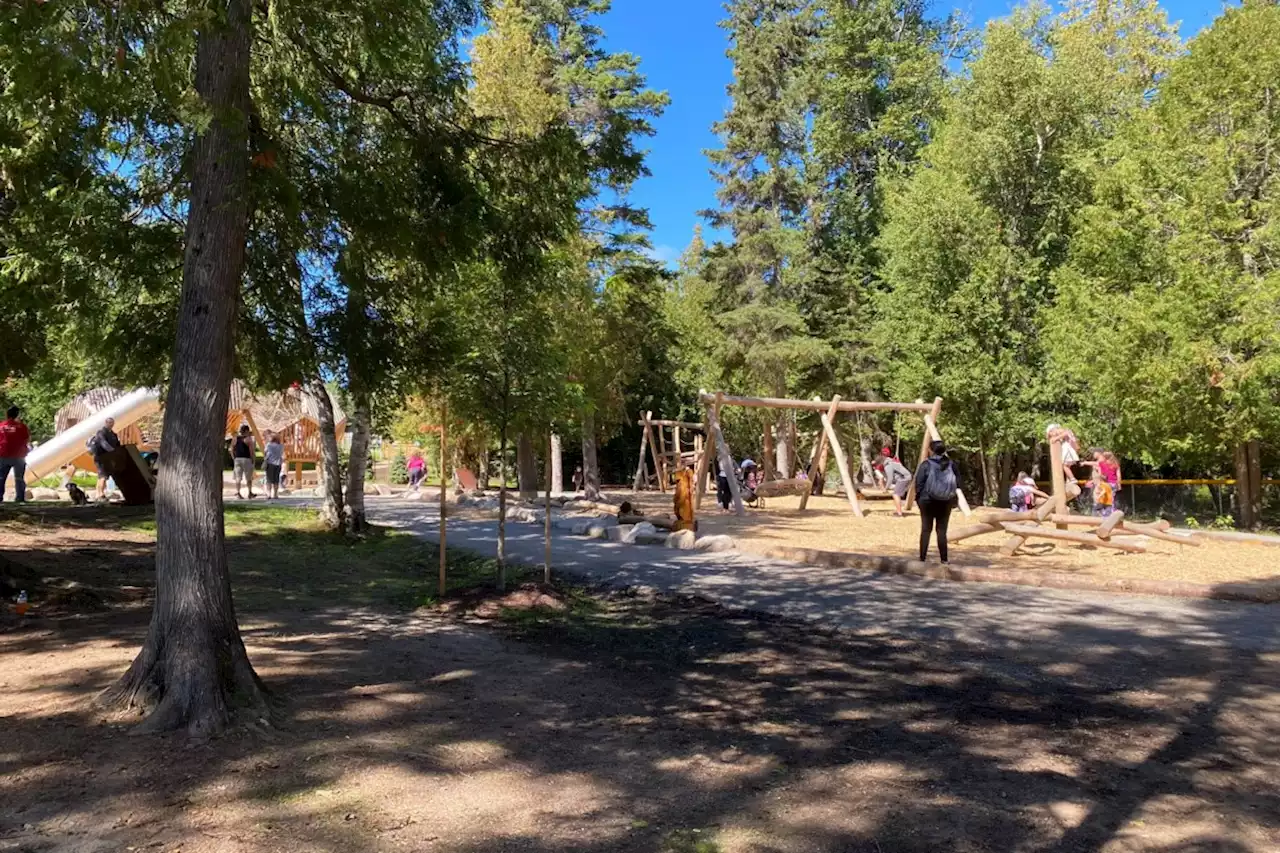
(625, 723)
(829, 525)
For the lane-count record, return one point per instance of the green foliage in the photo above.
(399, 470)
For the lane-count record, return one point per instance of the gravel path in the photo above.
(1020, 620)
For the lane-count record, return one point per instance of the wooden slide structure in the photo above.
(1051, 520)
(828, 444)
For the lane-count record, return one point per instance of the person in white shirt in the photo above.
(273, 464)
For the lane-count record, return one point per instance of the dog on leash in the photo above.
(78, 497)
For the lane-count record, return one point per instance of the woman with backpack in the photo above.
(936, 485)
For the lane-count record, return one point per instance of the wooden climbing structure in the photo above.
(670, 446)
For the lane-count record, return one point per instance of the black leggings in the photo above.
(723, 495)
(934, 515)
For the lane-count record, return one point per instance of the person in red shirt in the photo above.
(15, 441)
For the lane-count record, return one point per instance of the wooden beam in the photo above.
(958, 534)
(681, 424)
(1012, 544)
(1031, 530)
(1109, 524)
(814, 405)
(935, 409)
(819, 462)
(767, 462)
(1156, 533)
(659, 454)
(444, 507)
(726, 458)
(1059, 499)
(850, 487)
(644, 442)
(704, 465)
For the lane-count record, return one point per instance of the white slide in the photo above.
(66, 446)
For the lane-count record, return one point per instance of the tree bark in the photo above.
(526, 468)
(556, 462)
(590, 462)
(193, 672)
(1249, 484)
(483, 465)
(785, 446)
(332, 511)
(865, 463)
(358, 462)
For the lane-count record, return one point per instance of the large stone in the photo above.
(618, 533)
(42, 494)
(524, 515)
(681, 540)
(712, 544)
(383, 489)
(633, 535)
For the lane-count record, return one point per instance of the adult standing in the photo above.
(417, 468)
(242, 453)
(15, 441)
(936, 485)
(273, 465)
(103, 443)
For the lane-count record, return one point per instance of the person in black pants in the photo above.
(936, 484)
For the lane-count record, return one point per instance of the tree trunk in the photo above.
(556, 463)
(193, 671)
(785, 446)
(332, 512)
(527, 468)
(1249, 484)
(502, 510)
(866, 463)
(358, 462)
(590, 464)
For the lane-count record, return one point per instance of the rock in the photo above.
(579, 527)
(579, 505)
(681, 540)
(524, 515)
(596, 530)
(644, 528)
(43, 494)
(712, 544)
(414, 495)
(383, 489)
(618, 533)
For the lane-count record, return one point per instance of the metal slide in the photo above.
(66, 446)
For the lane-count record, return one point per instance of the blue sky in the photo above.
(683, 49)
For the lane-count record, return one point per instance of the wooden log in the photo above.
(1156, 533)
(958, 534)
(934, 411)
(989, 515)
(1109, 524)
(726, 458)
(850, 488)
(1059, 500)
(1031, 530)
(777, 488)
(767, 462)
(680, 424)
(1238, 536)
(1012, 544)
(644, 444)
(656, 520)
(654, 450)
(819, 463)
(704, 465)
(812, 405)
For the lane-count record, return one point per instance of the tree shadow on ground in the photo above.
(643, 723)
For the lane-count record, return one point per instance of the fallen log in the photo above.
(777, 488)
(661, 522)
(990, 515)
(1109, 524)
(1012, 544)
(1156, 533)
(1127, 528)
(1237, 536)
(1031, 530)
(959, 533)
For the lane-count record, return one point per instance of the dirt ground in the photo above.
(619, 724)
(828, 524)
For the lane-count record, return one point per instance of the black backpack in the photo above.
(940, 484)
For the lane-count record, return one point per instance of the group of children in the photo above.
(1104, 480)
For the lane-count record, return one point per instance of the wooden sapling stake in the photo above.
(726, 458)
(820, 455)
(850, 487)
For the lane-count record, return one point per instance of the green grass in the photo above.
(54, 481)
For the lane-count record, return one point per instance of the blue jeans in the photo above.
(19, 469)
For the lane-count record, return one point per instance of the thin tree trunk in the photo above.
(557, 466)
(866, 469)
(332, 512)
(193, 671)
(590, 463)
(502, 509)
(358, 462)
(1249, 485)
(482, 475)
(526, 468)
(785, 440)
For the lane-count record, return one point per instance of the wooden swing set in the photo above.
(828, 444)
(668, 456)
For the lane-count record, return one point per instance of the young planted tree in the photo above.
(1169, 305)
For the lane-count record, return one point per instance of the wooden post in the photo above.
(791, 452)
(704, 463)
(924, 448)
(850, 487)
(662, 457)
(644, 441)
(658, 468)
(1059, 479)
(770, 473)
(546, 529)
(726, 458)
(444, 492)
(820, 455)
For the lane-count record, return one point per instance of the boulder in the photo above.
(523, 515)
(579, 527)
(712, 544)
(681, 540)
(618, 533)
(414, 495)
(596, 530)
(383, 489)
(42, 494)
(636, 531)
